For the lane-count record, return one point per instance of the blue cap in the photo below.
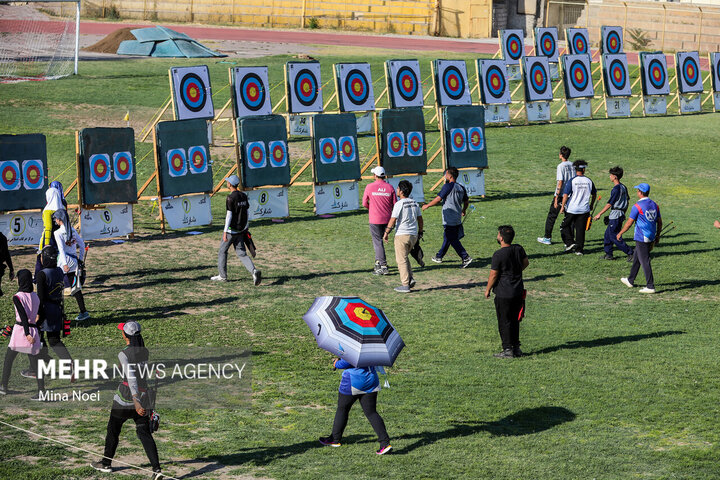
(643, 187)
(233, 180)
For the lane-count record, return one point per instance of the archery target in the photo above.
(513, 47)
(198, 159)
(256, 156)
(328, 150)
(475, 139)
(395, 144)
(715, 70)
(577, 76)
(612, 40)
(403, 81)
(177, 162)
(355, 90)
(655, 77)
(33, 174)
(688, 72)
(458, 140)
(252, 91)
(347, 149)
(100, 168)
(451, 82)
(492, 78)
(537, 79)
(9, 175)
(415, 144)
(615, 71)
(304, 87)
(278, 153)
(191, 92)
(122, 166)
(578, 41)
(546, 40)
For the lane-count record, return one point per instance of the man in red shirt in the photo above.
(379, 198)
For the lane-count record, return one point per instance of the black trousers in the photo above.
(451, 237)
(368, 402)
(641, 257)
(10, 356)
(551, 217)
(54, 340)
(508, 310)
(118, 416)
(573, 230)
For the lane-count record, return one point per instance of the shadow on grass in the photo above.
(603, 342)
(152, 283)
(689, 284)
(524, 422)
(149, 313)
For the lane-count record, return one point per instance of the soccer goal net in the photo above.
(38, 40)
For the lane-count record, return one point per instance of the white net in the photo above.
(37, 40)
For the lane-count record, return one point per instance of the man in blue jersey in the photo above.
(617, 204)
(564, 172)
(577, 201)
(649, 222)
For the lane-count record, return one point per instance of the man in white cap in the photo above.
(379, 198)
(235, 232)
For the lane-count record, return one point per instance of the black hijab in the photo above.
(25, 282)
(136, 351)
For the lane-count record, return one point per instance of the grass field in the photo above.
(615, 385)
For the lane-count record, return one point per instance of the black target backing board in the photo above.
(303, 87)
(192, 95)
(335, 147)
(714, 58)
(465, 143)
(251, 91)
(611, 40)
(689, 75)
(536, 76)
(262, 140)
(493, 81)
(177, 142)
(354, 87)
(615, 75)
(404, 83)
(653, 69)
(406, 128)
(546, 43)
(512, 45)
(23, 172)
(578, 40)
(577, 76)
(107, 166)
(451, 82)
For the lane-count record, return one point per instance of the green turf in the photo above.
(616, 385)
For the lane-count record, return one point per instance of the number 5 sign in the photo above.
(22, 228)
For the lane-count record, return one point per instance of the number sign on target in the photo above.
(251, 91)
(404, 83)
(354, 87)
(192, 96)
(451, 86)
(303, 87)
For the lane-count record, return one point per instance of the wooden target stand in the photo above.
(477, 87)
(711, 93)
(606, 98)
(643, 99)
(561, 72)
(526, 103)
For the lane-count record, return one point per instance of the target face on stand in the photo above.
(191, 92)
(346, 149)
(612, 39)
(577, 79)
(415, 144)
(304, 87)
(616, 75)
(404, 83)
(278, 153)
(355, 87)
(198, 159)
(256, 155)
(546, 43)
(33, 174)
(395, 144)
(327, 150)
(100, 168)
(512, 46)
(578, 42)
(476, 139)
(715, 69)
(688, 72)
(177, 162)
(492, 75)
(9, 175)
(655, 78)
(537, 78)
(122, 166)
(252, 92)
(452, 82)
(458, 140)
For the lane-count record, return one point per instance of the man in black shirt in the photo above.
(506, 281)
(5, 260)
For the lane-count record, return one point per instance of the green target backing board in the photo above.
(465, 144)
(107, 165)
(184, 157)
(402, 141)
(23, 172)
(263, 151)
(335, 147)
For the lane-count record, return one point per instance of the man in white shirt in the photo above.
(564, 173)
(407, 216)
(71, 252)
(577, 201)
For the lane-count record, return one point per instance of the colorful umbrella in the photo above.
(354, 330)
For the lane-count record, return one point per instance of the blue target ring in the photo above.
(579, 76)
(327, 150)
(122, 166)
(255, 154)
(495, 81)
(613, 42)
(656, 73)
(395, 144)
(177, 162)
(453, 83)
(458, 140)
(579, 43)
(278, 153)
(415, 144)
(538, 78)
(9, 175)
(99, 168)
(476, 139)
(34, 174)
(346, 149)
(514, 46)
(306, 87)
(547, 44)
(192, 92)
(252, 92)
(357, 88)
(198, 159)
(618, 74)
(690, 71)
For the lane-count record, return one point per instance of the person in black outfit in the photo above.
(130, 401)
(5, 261)
(506, 281)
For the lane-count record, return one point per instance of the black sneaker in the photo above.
(608, 256)
(257, 277)
(630, 258)
(507, 353)
(517, 352)
(466, 261)
(157, 475)
(37, 397)
(28, 374)
(101, 467)
(412, 283)
(569, 248)
(328, 442)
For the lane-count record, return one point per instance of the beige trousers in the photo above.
(403, 245)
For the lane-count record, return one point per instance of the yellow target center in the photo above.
(193, 92)
(101, 168)
(253, 91)
(362, 313)
(407, 83)
(453, 82)
(306, 88)
(8, 176)
(357, 88)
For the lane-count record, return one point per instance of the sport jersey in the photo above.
(454, 197)
(379, 198)
(618, 201)
(236, 218)
(580, 189)
(357, 381)
(646, 214)
(564, 174)
(406, 212)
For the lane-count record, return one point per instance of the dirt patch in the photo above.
(111, 43)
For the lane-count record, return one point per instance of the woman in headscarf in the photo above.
(25, 337)
(71, 251)
(58, 186)
(54, 202)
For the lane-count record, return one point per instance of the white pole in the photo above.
(77, 34)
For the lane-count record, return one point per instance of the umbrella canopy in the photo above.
(354, 330)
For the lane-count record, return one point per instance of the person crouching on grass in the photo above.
(357, 384)
(506, 281)
(407, 216)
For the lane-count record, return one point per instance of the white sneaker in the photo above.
(545, 240)
(647, 290)
(627, 282)
(218, 278)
